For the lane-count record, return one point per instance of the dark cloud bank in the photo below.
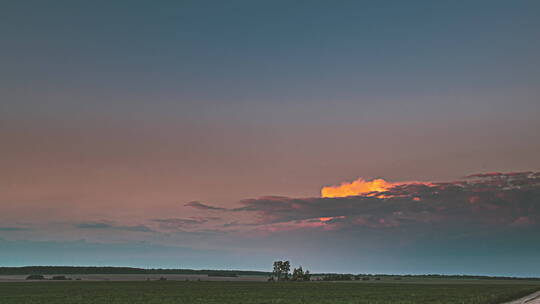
(483, 200)
(485, 223)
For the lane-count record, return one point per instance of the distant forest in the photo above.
(56, 270)
(49, 270)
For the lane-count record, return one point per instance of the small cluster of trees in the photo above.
(281, 272)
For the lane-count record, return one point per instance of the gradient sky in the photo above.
(133, 133)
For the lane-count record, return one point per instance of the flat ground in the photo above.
(208, 292)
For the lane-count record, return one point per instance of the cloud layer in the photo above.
(498, 200)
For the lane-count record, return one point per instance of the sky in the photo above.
(200, 134)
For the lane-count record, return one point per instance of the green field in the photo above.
(258, 292)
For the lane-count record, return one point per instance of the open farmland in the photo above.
(479, 292)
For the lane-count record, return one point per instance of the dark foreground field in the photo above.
(257, 292)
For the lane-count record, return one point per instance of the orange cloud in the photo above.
(329, 218)
(357, 187)
(374, 187)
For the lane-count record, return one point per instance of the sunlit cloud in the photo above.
(360, 186)
(357, 187)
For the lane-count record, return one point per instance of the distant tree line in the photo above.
(282, 272)
(377, 277)
(52, 270)
(338, 277)
(350, 277)
(41, 277)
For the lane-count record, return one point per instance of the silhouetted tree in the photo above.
(281, 270)
(286, 267)
(300, 275)
(307, 276)
(277, 269)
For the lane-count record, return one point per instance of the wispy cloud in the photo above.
(14, 228)
(191, 222)
(104, 225)
(199, 205)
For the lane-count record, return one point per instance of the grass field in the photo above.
(258, 292)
